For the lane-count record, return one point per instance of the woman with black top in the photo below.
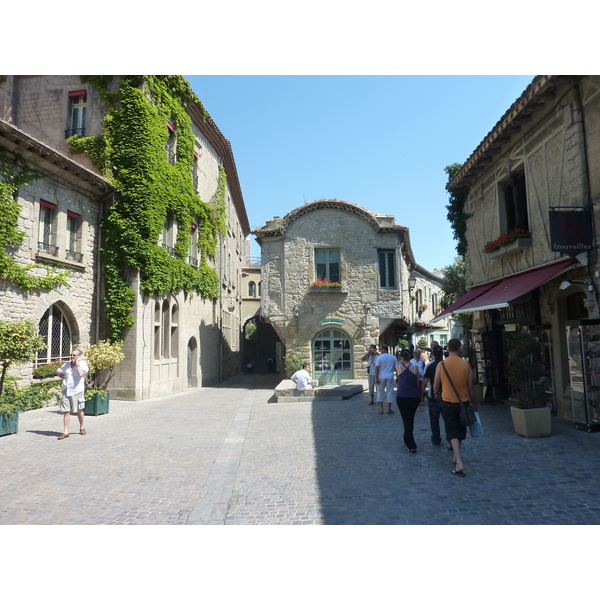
(408, 396)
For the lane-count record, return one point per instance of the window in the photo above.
(252, 289)
(169, 234)
(513, 204)
(387, 269)
(77, 110)
(171, 144)
(73, 237)
(47, 232)
(193, 247)
(55, 331)
(327, 263)
(195, 168)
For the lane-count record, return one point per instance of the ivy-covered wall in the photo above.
(13, 174)
(133, 154)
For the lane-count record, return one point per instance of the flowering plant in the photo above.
(101, 356)
(413, 298)
(423, 307)
(324, 283)
(438, 309)
(47, 369)
(505, 239)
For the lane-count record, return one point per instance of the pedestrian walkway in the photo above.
(232, 455)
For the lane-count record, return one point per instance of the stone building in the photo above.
(60, 212)
(368, 259)
(183, 336)
(537, 173)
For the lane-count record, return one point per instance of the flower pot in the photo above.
(325, 289)
(97, 405)
(532, 422)
(511, 248)
(9, 424)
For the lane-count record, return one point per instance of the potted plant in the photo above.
(19, 343)
(325, 284)
(531, 415)
(102, 358)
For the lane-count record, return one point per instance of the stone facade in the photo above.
(549, 138)
(77, 196)
(366, 309)
(178, 340)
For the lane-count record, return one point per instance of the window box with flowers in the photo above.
(438, 309)
(323, 285)
(422, 308)
(508, 243)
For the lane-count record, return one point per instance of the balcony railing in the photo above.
(80, 132)
(170, 250)
(193, 261)
(48, 249)
(72, 255)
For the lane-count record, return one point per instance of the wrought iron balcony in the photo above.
(80, 132)
(72, 255)
(48, 249)
(170, 250)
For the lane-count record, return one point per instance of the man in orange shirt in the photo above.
(460, 373)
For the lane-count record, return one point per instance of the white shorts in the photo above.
(73, 403)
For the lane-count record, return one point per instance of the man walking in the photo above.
(385, 370)
(433, 404)
(370, 357)
(456, 376)
(73, 401)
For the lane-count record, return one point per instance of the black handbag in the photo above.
(467, 414)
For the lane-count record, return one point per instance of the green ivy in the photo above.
(13, 174)
(456, 215)
(131, 154)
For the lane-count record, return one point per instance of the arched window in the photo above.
(53, 327)
(174, 331)
(252, 289)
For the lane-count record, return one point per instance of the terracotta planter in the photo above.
(532, 422)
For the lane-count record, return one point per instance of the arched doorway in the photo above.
(332, 357)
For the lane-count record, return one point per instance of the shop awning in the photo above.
(470, 295)
(506, 290)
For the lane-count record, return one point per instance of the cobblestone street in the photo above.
(231, 455)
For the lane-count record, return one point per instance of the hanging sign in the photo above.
(570, 231)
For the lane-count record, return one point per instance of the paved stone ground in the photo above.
(231, 455)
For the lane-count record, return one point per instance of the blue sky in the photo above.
(381, 142)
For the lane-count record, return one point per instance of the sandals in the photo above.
(82, 431)
(458, 472)
(63, 436)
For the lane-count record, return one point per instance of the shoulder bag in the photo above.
(467, 414)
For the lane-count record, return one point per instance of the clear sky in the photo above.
(381, 142)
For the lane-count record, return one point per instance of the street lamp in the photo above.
(412, 283)
(367, 308)
(296, 311)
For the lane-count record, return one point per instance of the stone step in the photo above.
(286, 391)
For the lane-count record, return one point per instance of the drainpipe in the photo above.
(588, 190)
(98, 261)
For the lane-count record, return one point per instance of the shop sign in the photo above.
(570, 231)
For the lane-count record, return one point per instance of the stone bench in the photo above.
(286, 391)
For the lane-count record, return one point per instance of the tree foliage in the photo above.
(19, 343)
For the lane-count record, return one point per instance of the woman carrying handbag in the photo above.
(453, 383)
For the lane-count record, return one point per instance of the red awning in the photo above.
(503, 292)
(470, 295)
